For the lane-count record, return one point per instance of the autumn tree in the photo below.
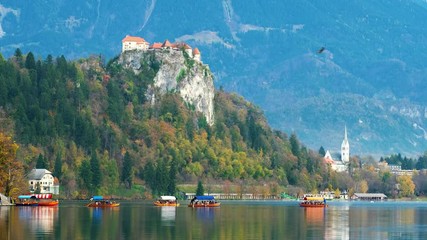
(11, 170)
(407, 186)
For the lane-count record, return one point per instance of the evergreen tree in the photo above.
(172, 179)
(295, 146)
(322, 151)
(127, 174)
(85, 175)
(200, 191)
(30, 62)
(162, 177)
(95, 168)
(150, 175)
(41, 162)
(18, 57)
(57, 171)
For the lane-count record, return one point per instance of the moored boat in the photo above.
(164, 201)
(203, 201)
(316, 202)
(49, 203)
(45, 199)
(100, 202)
(26, 200)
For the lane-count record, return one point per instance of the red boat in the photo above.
(45, 199)
(49, 203)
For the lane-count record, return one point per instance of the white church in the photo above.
(342, 165)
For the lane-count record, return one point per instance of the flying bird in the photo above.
(321, 50)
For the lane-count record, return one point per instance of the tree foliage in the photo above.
(200, 191)
(12, 180)
(83, 117)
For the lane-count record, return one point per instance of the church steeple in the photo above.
(345, 148)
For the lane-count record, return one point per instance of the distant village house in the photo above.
(44, 180)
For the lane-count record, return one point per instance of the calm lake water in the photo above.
(233, 220)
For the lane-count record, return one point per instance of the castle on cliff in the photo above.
(130, 43)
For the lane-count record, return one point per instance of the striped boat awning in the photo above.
(43, 195)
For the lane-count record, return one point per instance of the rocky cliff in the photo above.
(176, 72)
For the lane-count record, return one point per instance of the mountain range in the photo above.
(314, 67)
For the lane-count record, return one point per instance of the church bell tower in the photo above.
(345, 148)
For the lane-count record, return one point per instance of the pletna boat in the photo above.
(26, 200)
(100, 202)
(316, 202)
(164, 201)
(203, 201)
(45, 199)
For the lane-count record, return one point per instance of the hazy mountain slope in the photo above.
(371, 75)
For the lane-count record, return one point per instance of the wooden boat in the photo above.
(26, 200)
(49, 203)
(100, 202)
(164, 201)
(313, 202)
(203, 201)
(45, 199)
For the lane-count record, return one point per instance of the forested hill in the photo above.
(91, 124)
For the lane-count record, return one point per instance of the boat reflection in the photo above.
(4, 212)
(206, 214)
(314, 215)
(40, 219)
(168, 215)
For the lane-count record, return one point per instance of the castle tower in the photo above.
(345, 148)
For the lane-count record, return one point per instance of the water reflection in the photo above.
(39, 219)
(4, 212)
(314, 216)
(337, 222)
(168, 215)
(205, 214)
(233, 220)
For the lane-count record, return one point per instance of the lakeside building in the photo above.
(44, 180)
(369, 196)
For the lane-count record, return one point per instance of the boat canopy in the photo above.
(168, 198)
(97, 198)
(204, 198)
(25, 196)
(42, 195)
(314, 198)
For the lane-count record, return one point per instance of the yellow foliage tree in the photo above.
(12, 180)
(337, 193)
(407, 186)
(363, 186)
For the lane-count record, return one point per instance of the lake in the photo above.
(233, 220)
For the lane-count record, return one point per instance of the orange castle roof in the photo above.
(133, 39)
(166, 44)
(196, 51)
(156, 45)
